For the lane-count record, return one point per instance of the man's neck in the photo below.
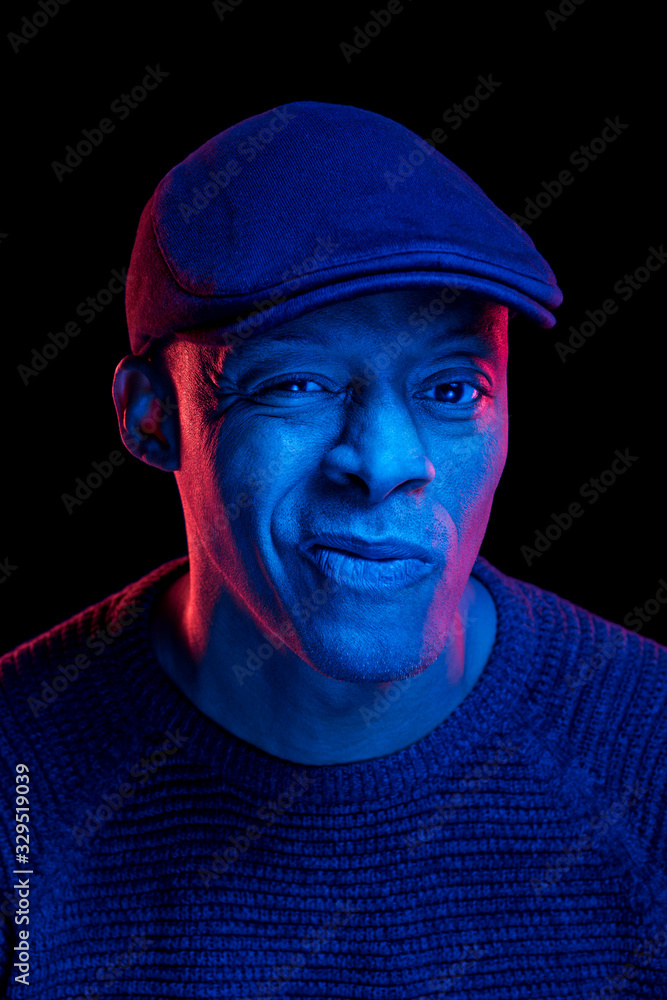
(291, 711)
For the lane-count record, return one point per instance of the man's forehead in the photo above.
(475, 324)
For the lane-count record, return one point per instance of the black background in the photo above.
(61, 240)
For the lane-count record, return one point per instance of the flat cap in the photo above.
(311, 203)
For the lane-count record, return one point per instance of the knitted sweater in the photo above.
(518, 850)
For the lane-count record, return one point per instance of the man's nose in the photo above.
(380, 449)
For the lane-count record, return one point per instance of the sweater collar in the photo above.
(489, 710)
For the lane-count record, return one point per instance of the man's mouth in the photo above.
(368, 564)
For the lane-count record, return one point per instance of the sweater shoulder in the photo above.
(37, 671)
(596, 700)
(581, 658)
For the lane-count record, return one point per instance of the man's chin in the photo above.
(368, 666)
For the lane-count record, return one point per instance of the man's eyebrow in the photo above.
(483, 353)
(485, 342)
(258, 343)
(469, 344)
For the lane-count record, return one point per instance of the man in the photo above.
(331, 752)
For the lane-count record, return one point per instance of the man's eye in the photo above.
(455, 392)
(290, 386)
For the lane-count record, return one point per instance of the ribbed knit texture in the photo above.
(475, 863)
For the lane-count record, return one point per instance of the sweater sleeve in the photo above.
(606, 707)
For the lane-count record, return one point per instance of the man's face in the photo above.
(361, 418)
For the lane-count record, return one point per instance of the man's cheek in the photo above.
(235, 477)
(468, 493)
(250, 466)
(491, 451)
(473, 465)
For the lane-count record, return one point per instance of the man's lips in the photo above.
(368, 564)
(368, 548)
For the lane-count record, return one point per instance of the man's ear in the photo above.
(145, 402)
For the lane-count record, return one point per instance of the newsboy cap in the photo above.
(311, 203)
